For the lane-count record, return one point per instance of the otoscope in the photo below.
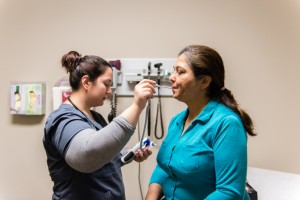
(130, 154)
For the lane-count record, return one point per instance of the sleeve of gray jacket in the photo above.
(90, 149)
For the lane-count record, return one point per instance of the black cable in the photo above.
(140, 183)
(146, 118)
(141, 145)
(139, 169)
(149, 102)
(159, 109)
(113, 103)
(87, 118)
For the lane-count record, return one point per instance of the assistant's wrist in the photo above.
(137, 107)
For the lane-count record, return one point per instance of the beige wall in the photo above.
(259, 42)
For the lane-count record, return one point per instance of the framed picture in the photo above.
(27, 98)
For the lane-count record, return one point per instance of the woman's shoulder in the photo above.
(225, 115)
(64, 111)
(223, 110)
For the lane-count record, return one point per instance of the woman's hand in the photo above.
(143, 91)
(140, 156)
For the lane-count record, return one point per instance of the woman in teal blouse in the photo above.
(204, 155)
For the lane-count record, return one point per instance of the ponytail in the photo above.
(228, 99)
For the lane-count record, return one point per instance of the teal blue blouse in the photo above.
(209, 161)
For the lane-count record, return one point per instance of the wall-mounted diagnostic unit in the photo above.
(134, 70)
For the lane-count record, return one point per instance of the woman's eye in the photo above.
(108, 84)
(179, 72)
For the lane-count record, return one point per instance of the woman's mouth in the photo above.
(174, 89)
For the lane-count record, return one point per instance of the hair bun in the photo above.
(71, 60)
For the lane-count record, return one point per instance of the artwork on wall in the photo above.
(27, 98)
(61, 91)
(60, 95)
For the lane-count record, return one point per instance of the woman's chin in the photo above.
(175, 96)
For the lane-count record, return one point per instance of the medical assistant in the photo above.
(69, 184)
(208, 161)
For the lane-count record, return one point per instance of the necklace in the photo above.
(87, 118)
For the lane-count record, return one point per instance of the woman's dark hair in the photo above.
(204, 60)
(78, 66)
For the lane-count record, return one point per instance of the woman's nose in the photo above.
(171, 78)
(109, 90)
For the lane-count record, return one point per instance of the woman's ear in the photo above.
(85, 82)
(205, 81)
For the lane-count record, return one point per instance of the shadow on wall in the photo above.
(27, 120)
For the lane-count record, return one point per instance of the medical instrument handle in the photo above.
(130, 154)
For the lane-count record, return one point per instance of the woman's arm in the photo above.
(154, 192)
(90, 149)
(142, 92)
(230, 151)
